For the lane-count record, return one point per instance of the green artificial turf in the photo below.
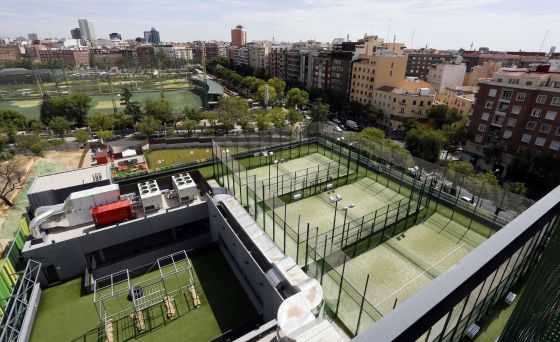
(65, 316)
(178, 99)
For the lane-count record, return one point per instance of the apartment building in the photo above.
(486, 70)
(145, 55)
(459, 97)
(444, 75)
(109, 56)
(472, 59)
(208, 49)
(238, 36)
(519, 108)
(420, 62)
(276, 61)
(254, 54)
(68, 58)
(11, 52)
(409, 99)
(370, 72)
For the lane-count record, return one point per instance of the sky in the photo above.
(442, 24)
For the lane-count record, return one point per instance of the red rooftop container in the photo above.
(112, 212)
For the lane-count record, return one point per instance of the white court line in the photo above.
(413, 279)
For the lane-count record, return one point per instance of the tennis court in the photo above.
(366, 195)
(401, 266)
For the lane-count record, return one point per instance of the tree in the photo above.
(411, 124)
(32, 143)
(82, 136)
(11, 122)
(277, 117)
(425, 143)
(59, 125)
(126, 96)
(278, 86)
(297, 97)
(73, 107)
(319, 111)
(260, 72)
(12, 177)
(159, 109)
(192, 113)
(105, 135)
(190, 126)
(516, 187)
(122, 121)
(488, 178)
(373, 114)
(262, 121)
(148, 125)
(455, 135)
(101, 121)
(36, 126)
(294, 116)
(443, 115)
(373, 134)
(234, 108)
(79, 105)
(464, 167)
(271, 94)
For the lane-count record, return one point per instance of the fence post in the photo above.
(340, 287)
(273, 220)
(362, 305)
(323, 261)
(297, 247)
(284, 251)
(306, 246)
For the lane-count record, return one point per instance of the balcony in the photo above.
(502, 108)
(498, 120)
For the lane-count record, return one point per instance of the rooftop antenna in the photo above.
(472, 43)
(394, 39)
(348, 37)
(412, 41)
(544, 39)
(388, 29)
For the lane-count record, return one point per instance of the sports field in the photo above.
(404, 264)
(365, 195)
(178, 99)
(64, 315)
(167, 157)
(285, 176)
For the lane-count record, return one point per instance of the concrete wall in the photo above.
(69, 256)
(255, 282)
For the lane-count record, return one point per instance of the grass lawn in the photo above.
(169, 157)
(65, 316)
(178, 99)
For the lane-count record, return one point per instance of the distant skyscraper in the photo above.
(33, 36)
(238, 36)
(76, 33)
(152, 36)
(86, 29)
(115, 36)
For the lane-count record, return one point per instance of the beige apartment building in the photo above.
(460, 98)
(411, 98)
(481, 71)
(372, 72)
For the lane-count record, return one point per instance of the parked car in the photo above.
(338, 129)
(336, 120)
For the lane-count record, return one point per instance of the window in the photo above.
(485, 116)
(531, 125)
(555, 145)
(545, 128)
(536, 112)
(541, 99)
(529, 83)
(550, 115)
(481, 127)
(516, 110)
(557, 132)
(540, 141)
(507, 134)
(499, 80)
(492, 92)
(520, 97)
(478, 139)
(526, 137)
(555, 100)
(513, 81)
(489, 105)
(511, 122)
(506, 94)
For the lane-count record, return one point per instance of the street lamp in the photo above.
(344, 222)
